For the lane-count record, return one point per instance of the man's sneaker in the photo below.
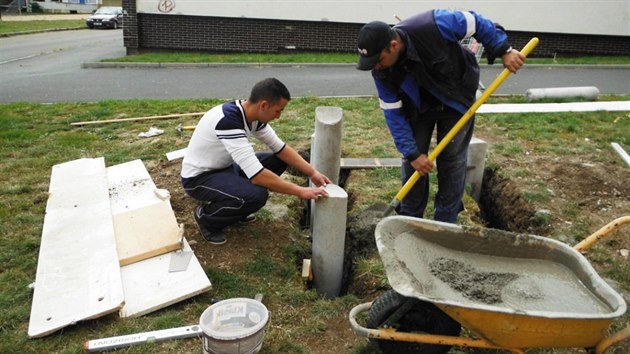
(215, 238)
(247, 219)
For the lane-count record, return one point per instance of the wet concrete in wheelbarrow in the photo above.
(480, 286)
(471, 279)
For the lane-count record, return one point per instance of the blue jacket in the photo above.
(434, 67)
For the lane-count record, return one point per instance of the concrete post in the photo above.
(329, 234)
(476, 164)
(326, 145)
(326, 148)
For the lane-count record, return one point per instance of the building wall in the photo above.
(601, 17)
(111, 2)
(153, 32)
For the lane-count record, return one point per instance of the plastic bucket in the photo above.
(234, 326)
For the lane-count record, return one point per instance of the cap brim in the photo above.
(368, 63)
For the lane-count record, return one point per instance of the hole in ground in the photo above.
(501, 205)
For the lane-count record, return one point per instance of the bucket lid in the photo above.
(234, 318)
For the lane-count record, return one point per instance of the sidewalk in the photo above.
(44, 17)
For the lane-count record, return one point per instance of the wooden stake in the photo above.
(307, 271)
(168, 116)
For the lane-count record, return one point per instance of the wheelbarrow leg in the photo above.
(612, 340)
(417, 338)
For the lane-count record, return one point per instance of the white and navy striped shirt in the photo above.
(222, 137)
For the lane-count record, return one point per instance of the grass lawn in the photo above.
(550, 158)
(37, 136)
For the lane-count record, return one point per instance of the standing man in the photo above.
(221, 170)
(426, 79)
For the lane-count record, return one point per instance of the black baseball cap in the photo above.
(373, 38)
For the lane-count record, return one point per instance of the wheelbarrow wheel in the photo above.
(422, 317)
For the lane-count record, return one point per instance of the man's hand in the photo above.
(319, 179)
(422, 164)
(513, 60)
(313, 193)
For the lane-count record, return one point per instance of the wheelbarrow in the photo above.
(510, 291)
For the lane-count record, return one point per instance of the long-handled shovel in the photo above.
(451, 134)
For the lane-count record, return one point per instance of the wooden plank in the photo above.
(149, 286)
(167, 116)
(146, 232)
(177, 154)
(145, 224)
(78, 276)
(371, 162)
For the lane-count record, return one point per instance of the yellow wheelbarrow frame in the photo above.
(512, 331)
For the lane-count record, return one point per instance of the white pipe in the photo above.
(586, 92)
(624, 155)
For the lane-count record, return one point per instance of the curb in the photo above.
(40, 31)
(106, 65)
(122, 65)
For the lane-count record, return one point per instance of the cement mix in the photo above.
(520, 284)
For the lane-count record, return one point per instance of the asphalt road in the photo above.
(47, 67)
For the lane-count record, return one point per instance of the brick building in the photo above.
(156, 31)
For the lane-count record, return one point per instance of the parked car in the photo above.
(106, 17)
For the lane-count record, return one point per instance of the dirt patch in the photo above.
(243, 240)
(504, 207)
(577, 191)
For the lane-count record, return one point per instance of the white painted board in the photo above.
(177, 154)
(149, 286)
(611, 106)
(78, 275)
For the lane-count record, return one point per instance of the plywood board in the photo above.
(145, 224)
(149, 286)
(146, 232)
(78, 275)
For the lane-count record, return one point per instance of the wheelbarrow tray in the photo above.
(513, 290)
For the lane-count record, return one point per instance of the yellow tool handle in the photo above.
(601, 233)
(462, 121)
